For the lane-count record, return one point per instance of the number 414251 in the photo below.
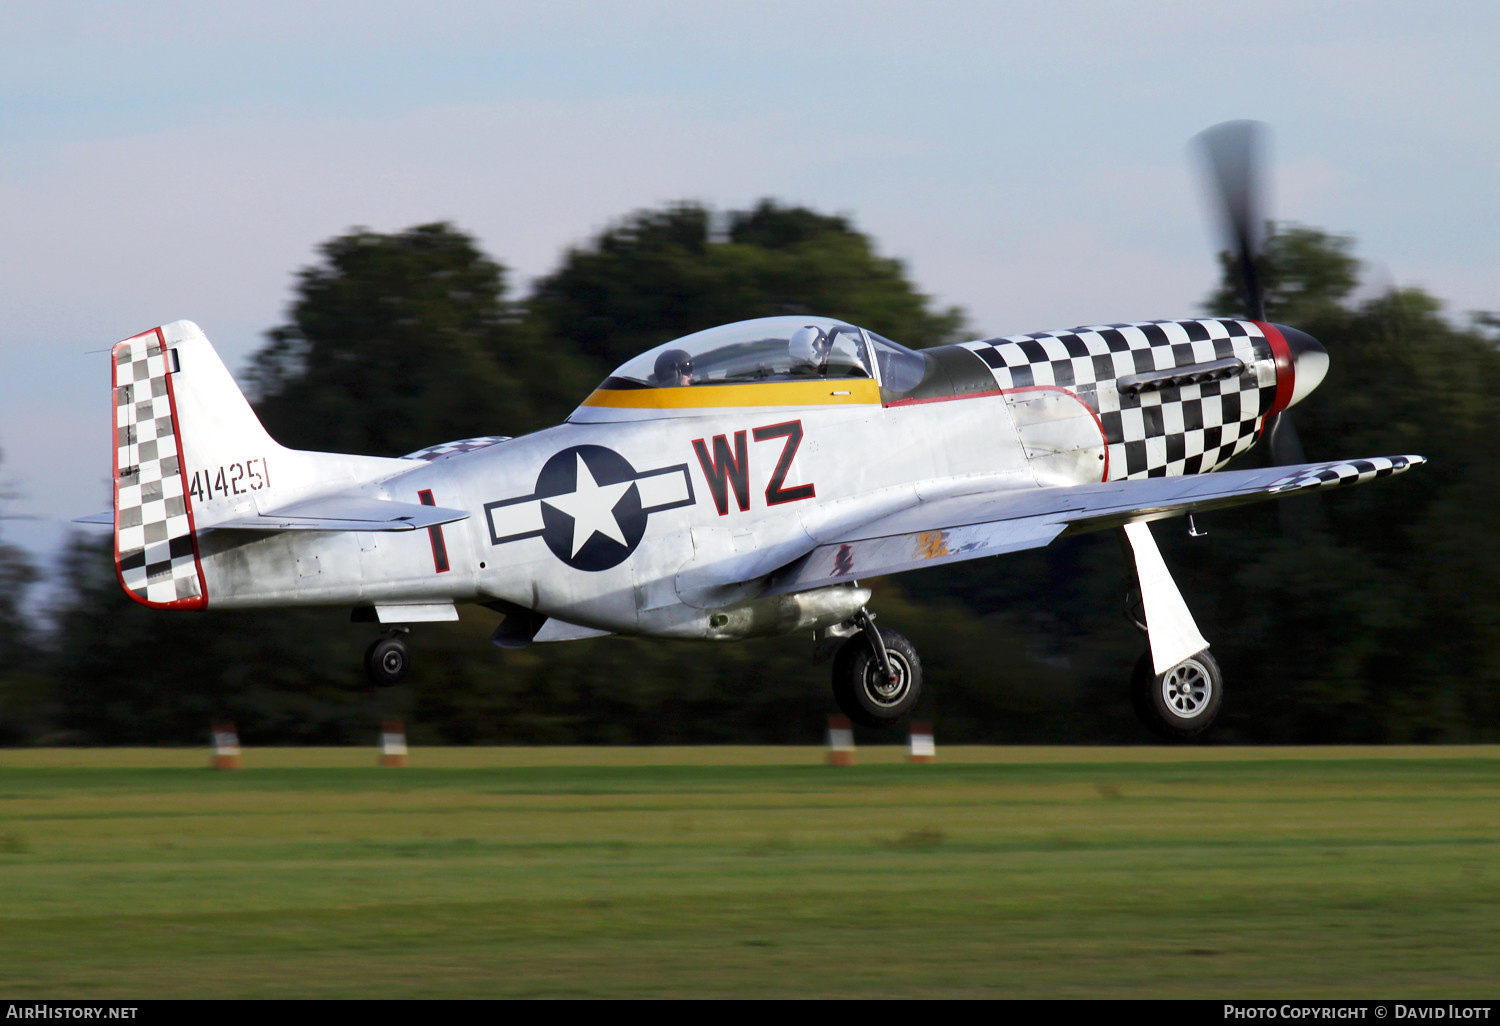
(230, 480)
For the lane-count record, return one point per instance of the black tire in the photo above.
(387, 661)
(1183, 702)
(862, 691)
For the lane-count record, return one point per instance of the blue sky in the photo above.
(1028, 162)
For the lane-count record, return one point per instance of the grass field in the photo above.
(752, 872)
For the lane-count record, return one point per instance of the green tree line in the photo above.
(1366, 617)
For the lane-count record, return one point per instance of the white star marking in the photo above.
(591, 505)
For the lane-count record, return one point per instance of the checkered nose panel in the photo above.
(154, 549)
(1160, 432)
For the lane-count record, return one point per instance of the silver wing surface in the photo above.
(953, 528)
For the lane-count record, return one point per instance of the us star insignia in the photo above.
(590, 506)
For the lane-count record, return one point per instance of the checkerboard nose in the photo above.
(1309, 362)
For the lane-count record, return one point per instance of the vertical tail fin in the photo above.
(191, 454)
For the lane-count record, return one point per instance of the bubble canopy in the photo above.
(788, 348)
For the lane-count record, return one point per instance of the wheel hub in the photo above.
(883, 689)
(1186, 689)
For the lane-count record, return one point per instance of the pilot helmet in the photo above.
(809, 346)
(672, 365)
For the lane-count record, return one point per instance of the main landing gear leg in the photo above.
(388, 660)
(877, 677)
(1177, 688)
(865, 620)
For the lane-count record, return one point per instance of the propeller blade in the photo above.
(1232, 153)
(1286, 447)
(1300, 515)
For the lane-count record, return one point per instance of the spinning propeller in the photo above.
(1232, 154)
(1232, 151)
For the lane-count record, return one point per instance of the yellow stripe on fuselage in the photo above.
(823, 392)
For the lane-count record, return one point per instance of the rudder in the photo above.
(156, 555)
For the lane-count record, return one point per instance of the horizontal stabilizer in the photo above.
(107, 518)
(346, 513)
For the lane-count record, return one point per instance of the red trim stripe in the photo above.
(187, 500)
(435, 536)
(1286, 371)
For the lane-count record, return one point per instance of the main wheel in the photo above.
(864, 692)
(1181, 703)
(387, 661)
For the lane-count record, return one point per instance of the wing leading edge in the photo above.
(963, 527)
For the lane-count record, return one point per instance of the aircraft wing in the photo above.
(947, 530)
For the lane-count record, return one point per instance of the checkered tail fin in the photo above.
(182, 430)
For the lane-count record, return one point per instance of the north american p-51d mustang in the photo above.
(738, 482)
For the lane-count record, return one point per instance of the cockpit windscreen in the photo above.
(768, 349)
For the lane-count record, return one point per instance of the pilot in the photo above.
(808, 348)
(674, 368)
